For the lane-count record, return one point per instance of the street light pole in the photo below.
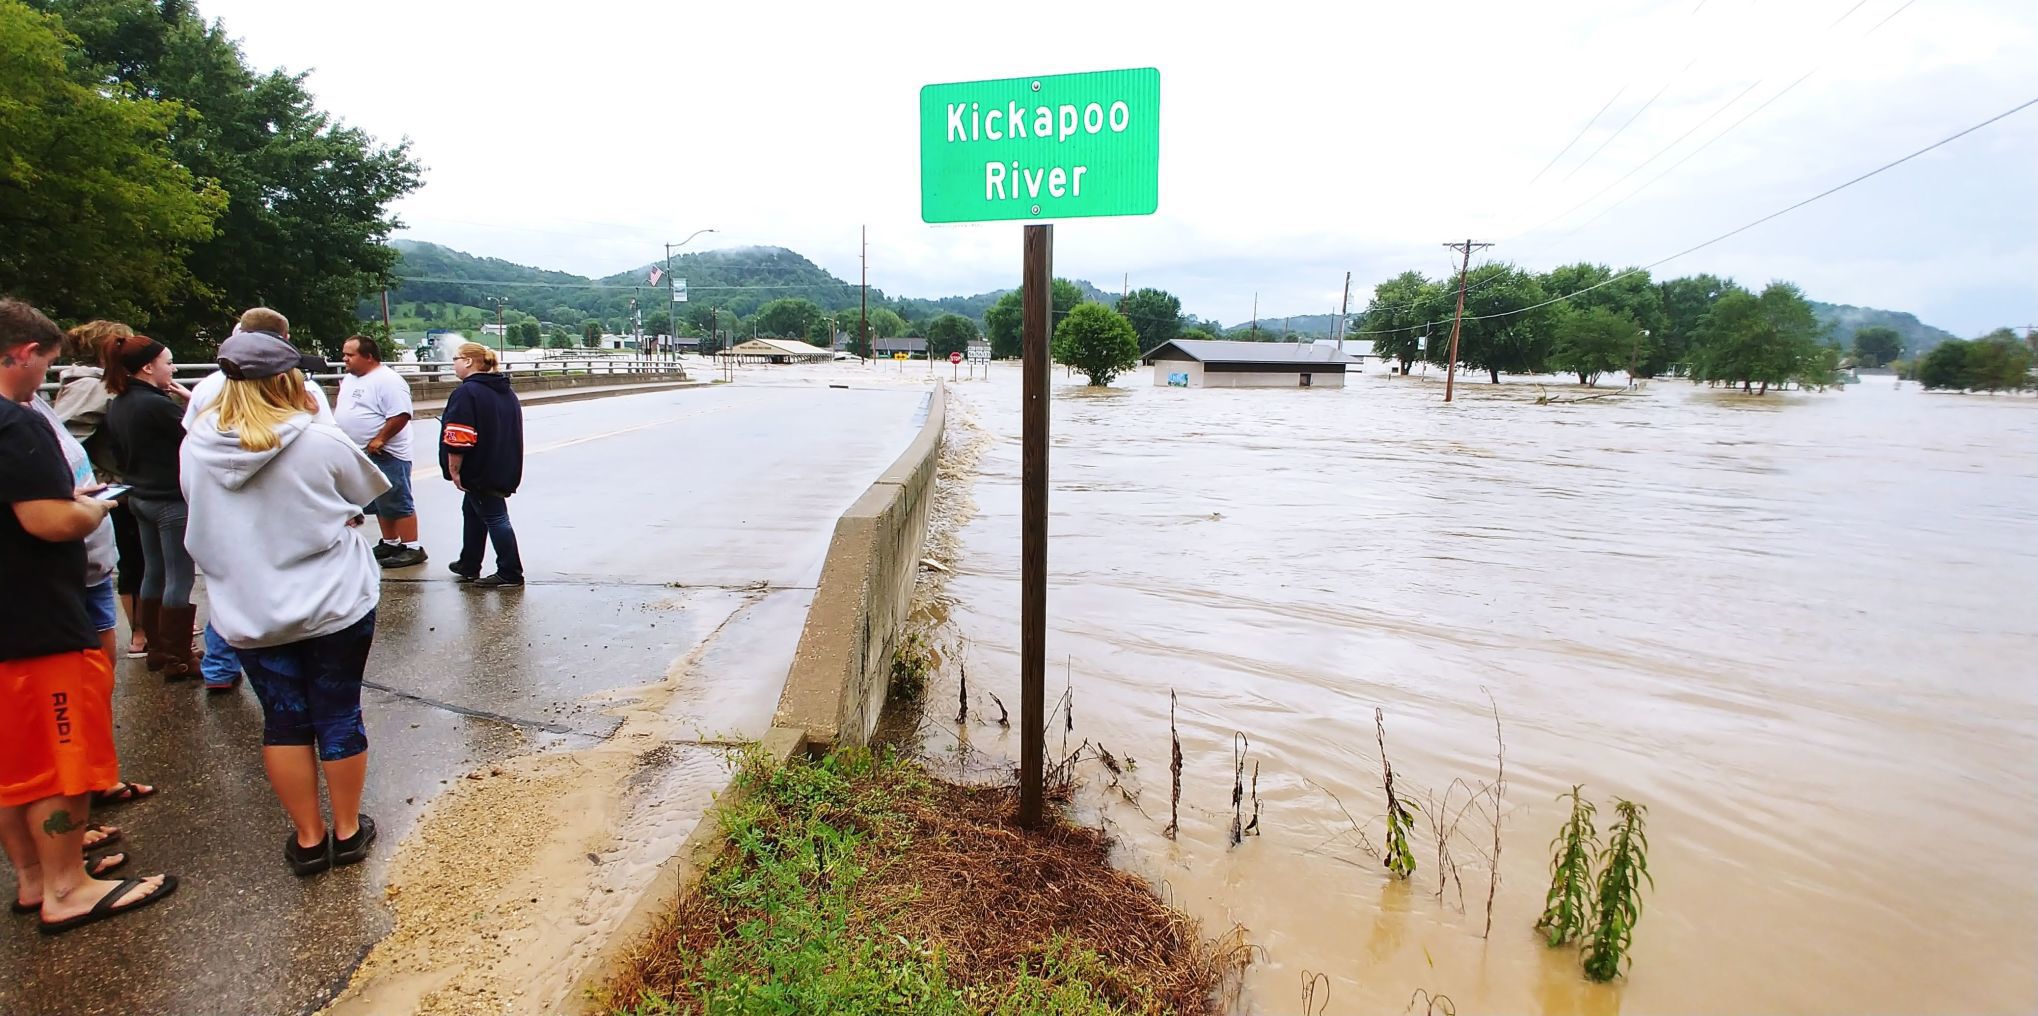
(672, 288)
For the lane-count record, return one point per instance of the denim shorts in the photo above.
(99, 604)
(395, 503)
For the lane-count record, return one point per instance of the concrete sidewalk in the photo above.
(664, 533)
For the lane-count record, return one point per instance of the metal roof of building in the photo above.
(778, 347)
(1226, 351)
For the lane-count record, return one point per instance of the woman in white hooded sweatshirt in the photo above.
(274, 499)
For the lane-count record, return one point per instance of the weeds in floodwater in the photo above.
(962, 688)
(1567, 906)
(1315, 993)
(1498, 791)
(1175, 769)
(912, 661)
(1432, 1005)
(1241, 746)
(1399, 859)
(1617, 905)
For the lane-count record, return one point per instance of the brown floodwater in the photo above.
(1799, 628)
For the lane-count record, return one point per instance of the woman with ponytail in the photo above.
(147, 428)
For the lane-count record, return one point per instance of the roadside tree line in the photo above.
(1516, 322)
(1996, 362)
(154, 176)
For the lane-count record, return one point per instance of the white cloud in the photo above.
(1299, 141)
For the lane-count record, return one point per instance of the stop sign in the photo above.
(955, 358)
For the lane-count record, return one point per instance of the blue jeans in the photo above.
(169, 573)
(486, 518)
(222, 663)
(311, 690)
(395, 503)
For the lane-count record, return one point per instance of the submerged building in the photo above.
(1208, 363)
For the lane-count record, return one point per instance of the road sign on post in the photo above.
(1059, 146)
(1035, 149)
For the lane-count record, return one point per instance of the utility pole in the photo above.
(863, 349)
(1344, 314)
(1125, 287)
(501, 336)
(388, 333)
(1458, 320)
(1256, 317)
(1036, 366)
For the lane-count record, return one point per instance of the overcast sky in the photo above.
(1298, 141)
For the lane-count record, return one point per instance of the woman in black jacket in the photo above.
(147, 427)
(481, 449)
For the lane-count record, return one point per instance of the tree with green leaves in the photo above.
(1501, 333)
(1591, 341)
(306, 217)
(1877, 345)
(100, 217)
(788, 317)
(1685, 303)
(1404, 309)
(561, 340)
(1995, 362)
(949, 333)
(1097, 341)
(1156, 316)
(886, 323)
(1763, 340)
(590, 333)
(528, 334)
(1004, 321)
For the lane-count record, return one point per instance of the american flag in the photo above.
(656, 274)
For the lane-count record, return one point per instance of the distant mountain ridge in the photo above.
(739, 280)
(1844, 320)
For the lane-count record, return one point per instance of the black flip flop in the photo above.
(105, 908)
(127, 792)
(92, 868)
(111, 836)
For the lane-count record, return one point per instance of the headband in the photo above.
(137, 351)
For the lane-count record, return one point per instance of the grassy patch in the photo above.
(858, 884)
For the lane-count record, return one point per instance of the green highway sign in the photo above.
(1060, 146)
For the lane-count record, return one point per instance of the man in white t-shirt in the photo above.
(375, 409)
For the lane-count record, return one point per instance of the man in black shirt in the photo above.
(56, 687)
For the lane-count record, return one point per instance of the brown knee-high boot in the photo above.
(149, 617)
(173, 624)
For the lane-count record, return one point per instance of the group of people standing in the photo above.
(253, 479)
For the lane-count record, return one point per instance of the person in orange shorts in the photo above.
(56, 687)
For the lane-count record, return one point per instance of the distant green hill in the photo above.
(1845, 320)
(443, 287)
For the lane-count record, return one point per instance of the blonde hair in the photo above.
(255, 409)
(87, 342)
(478, 353)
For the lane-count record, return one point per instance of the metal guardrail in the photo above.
(435, 371)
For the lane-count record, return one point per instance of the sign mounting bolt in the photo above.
(1036, 209)
(1036, 86)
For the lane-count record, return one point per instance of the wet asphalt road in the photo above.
(644, 520)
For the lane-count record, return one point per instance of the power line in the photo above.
(1581, 133)
(1623, 127)
(2020, 107)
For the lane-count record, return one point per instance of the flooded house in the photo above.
(1211, 363)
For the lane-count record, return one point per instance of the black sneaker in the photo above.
(384, 549)
(354, 849)
(308, 860)
(497, 581)
(405, 557)
(460, 576)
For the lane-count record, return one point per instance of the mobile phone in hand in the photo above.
(111, 492)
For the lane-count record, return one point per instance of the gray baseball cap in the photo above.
(252, 356)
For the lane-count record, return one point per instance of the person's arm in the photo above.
(61, 521)
(390, 428)
(457, 433)
(358, 479)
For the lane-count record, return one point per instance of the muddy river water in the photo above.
(1801, 629)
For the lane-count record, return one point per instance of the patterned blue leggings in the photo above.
(311, 690)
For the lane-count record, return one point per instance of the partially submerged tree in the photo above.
(1097, 341)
